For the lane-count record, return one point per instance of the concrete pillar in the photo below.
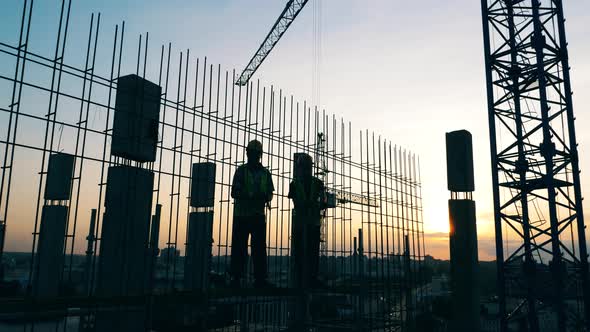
(50, 248)
(463, 233)
(200, 228)
(60, 170)
(49, 260)
(203, 185)
(464, 267)
(123, 261)
(135, 124)
(198, 251)
(197, 260)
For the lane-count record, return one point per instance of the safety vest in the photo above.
(255, 184)
(308, 204)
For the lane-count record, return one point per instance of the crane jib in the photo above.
(292, 9)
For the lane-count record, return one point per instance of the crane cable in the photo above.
(317, 52)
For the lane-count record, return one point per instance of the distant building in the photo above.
(168, 252)
(440, 286)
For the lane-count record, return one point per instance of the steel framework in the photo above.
(539, 222)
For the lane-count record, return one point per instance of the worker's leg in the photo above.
(297, 253)
(314, 252)
(258, 229)
(239, 247)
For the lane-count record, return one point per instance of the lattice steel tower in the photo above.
(539, 223)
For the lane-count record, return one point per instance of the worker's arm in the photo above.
(237, 185)
(270, 187)
(323, 197)
(291, 193)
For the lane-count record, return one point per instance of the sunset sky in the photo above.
(409, 70)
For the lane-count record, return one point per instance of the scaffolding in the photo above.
(372, 257)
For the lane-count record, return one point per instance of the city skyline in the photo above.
(364, 81)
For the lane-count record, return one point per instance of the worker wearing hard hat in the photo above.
(252, 190)
(308, 195)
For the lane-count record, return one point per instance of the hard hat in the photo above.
(303, 164)
(303, 158)
(254, 145)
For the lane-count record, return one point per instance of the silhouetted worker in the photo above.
(308, 195)
(252, 190)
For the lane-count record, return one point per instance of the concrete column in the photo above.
(200, 228)
(198, 251)
(123, 258)
(464, 266)
(49, 260)
(463, 233)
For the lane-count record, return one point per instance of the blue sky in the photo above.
(409, 70)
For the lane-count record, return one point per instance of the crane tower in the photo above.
(539, 223)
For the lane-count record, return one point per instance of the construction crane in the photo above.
(321, 172)
(292, 9)
(542, 266)
(344, 197)
(333, 196)
(336, 195)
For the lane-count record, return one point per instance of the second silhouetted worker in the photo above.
(308, 194)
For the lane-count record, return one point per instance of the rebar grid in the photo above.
(205, 116)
